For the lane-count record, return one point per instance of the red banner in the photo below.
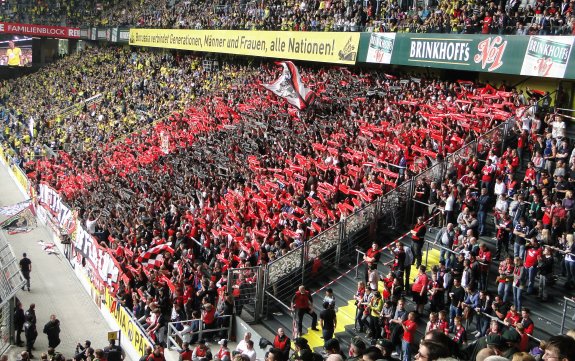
(40, 30)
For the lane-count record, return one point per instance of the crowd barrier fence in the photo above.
(174, 336)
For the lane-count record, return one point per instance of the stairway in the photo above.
(546, 316)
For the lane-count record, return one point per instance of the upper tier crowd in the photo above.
(513, 17)
(235, 177)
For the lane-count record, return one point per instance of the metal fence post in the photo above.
(504, 136)
(563, 317)
(357, 263)
(426, 254)
(259, 295)
(338, 253)
(343, 230)
(411, 192)
(303, 261)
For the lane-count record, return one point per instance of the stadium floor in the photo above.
(54, 288)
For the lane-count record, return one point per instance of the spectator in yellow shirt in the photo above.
(14, 54)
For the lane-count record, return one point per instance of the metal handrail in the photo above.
(90, 100)
(279, 301)
(503, 323)
(565, 300)
(173, 331)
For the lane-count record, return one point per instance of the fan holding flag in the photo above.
(290, 87)
(154, 257)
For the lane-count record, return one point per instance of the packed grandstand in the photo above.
(211, 186)
(479, 17)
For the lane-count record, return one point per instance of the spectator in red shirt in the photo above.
(532, 255)
(512, 317)
(371, 256)
(418, 237)
(526, 321)
(484, 259)
(409, 328)
(487, 173)
(419, 289)
(486, 23)
(303, 303)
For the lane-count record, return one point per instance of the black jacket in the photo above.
(52, 329)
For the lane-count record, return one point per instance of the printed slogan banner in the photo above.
(325, 47)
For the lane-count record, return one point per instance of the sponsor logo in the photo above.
(547, 56)
(124, 35)
(349, 51)
(381, 48)
(455, 52)
(543, 48)
(491, 52)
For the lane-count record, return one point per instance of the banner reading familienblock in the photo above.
(40, 30)
(328, 47)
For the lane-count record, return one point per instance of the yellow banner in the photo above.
(20, 177)
(127, 324)
(327, 47)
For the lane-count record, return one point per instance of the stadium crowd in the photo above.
(233, 179)
(513, 17)
(529, 190)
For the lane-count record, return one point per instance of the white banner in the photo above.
(97, 259)
(60, 213)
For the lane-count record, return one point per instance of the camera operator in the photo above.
(81, 350)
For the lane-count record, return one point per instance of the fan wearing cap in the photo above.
(511, 338)
(496, 343)
(386, 348)
(224, 352)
